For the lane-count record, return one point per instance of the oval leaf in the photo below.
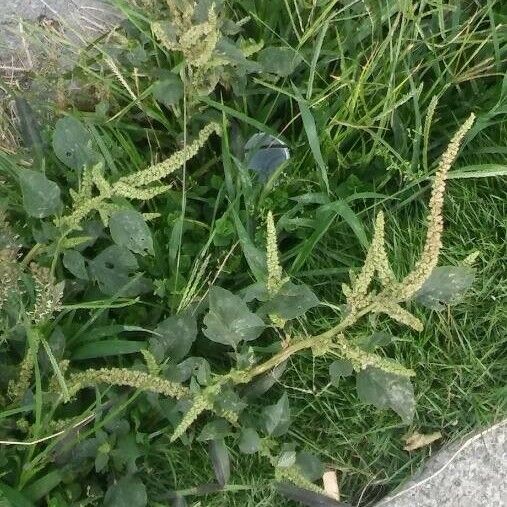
(338, 369)
(129, 230)
(75, 263)
(386, 390)
(220, 460)
(41, 197)
(174, 337)
(127, 492)
(310, 465)
(445, 285)
(72, 144)
(277, 417)
(290, 302)
(113, 269)
(219, 428)
(279, 61)
(229, 320)
(306, 497)
(249, 441)
(169, 91)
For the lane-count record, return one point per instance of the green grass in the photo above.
(354, 114)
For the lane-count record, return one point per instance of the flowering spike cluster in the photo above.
(275, 280)
(376, 262)
(9, 269)
(151, 362)
(197, 42)
(18, 388)
(361, 359)
(429, 257)
(293, 474)
(358, 294)
(134, 186)
(9, 273)
(48, 295)
(201, 402)
(397, 313)
(125, 377)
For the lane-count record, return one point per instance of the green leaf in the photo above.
(277, 417)
(374, 341)
(312, 135)
(338, 369)
(175, 336)
(126, 452)
(220, 460)
(186, 369)
(445, 285)
(108, 348)
(219, 428)
(479, 171)
(386, 390)
(41, 197)
(310, 465)
(75, 263)
(41, 487)
(264, 383)
(341, 208)
(168, 91)
(128, 229)
(56, 369)
(14, 497)
(229, 320)
(255, 257)
(129, 491)
(179, 501)
(113, 270)
(29, 128)
(229, 400)
(72, 144)
(249, 441)
(279, 61)
(290, 302)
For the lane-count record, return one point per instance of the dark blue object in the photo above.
(264, 153)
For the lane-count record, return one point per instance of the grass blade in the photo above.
(108, 348)
(312, 135)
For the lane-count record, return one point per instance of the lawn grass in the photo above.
(379, 91)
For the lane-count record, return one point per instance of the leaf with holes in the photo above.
(445, 285)
(114, 270)
(338, 369)
(72, 144)
(128, 229)
(386, 390)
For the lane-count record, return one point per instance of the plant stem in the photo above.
(307, 343)
(31, 255)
